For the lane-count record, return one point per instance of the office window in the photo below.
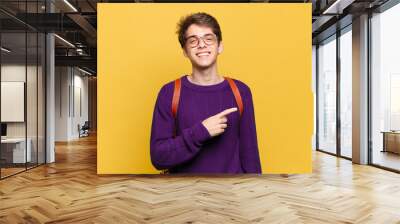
(346, 93)
(385, 88)
(327, 95)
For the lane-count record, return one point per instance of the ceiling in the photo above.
(76, 22)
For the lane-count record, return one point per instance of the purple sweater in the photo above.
(193, 150)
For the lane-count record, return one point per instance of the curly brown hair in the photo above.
(201, 19)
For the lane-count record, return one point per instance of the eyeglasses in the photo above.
(208, 39)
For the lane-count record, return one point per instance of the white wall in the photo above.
(71, 94)
(62, 80)
(16, 73)
(33, 127)
(81, 102)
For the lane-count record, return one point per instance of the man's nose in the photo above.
(201, 43)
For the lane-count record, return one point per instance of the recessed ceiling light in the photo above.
(84, 71)
(64, 40)
(70, 5)
(337, 7)
(5, 50)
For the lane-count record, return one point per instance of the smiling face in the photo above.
(205, 54)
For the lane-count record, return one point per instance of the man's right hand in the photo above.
(216, 124)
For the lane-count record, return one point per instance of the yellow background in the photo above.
(267, 46)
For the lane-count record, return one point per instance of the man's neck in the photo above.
(208, 76)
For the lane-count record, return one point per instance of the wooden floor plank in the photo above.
(70, 191)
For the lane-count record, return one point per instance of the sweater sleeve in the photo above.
(249, 154)
(166, 150)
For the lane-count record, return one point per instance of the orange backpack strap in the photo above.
(176, 96)
(175, 103)
(236, 93)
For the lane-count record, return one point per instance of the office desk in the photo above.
(15, 148)
(391, 141)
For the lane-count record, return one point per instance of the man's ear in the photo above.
(184, 52)
(220, 47)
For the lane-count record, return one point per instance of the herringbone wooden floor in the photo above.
(69, 191)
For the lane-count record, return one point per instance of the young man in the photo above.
(209, 133)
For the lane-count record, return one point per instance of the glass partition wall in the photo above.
(22, 88)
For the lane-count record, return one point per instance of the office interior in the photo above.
(379, 94)
(48, 81)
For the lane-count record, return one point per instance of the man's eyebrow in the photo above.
(190, 36)
(196, 35)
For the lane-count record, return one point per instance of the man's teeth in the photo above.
(203, 54)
